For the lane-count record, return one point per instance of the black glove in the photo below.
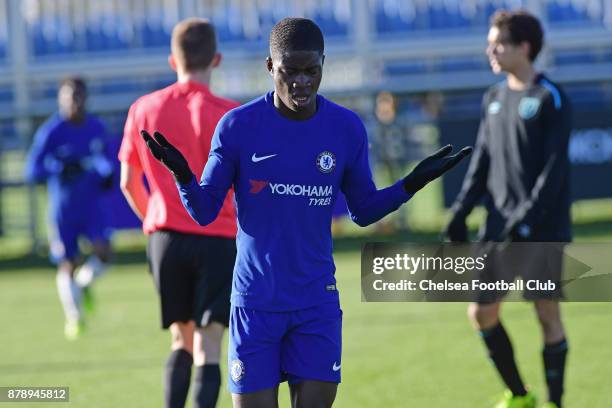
(107, 182)
(520, 232)
(518, 227)
(433, 167)
(169, 156)
(456, 231)
(71, 170)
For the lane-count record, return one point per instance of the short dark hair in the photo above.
(296, 34)
(194, 43)
(75, 82)
(522, 27)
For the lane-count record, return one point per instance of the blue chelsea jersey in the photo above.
(287, 175)
(59, 145)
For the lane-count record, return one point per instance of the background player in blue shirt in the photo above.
(288, 154)
(69, 153)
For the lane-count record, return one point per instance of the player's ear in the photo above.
(172, 62)
(269, 64)
(322, 59)
(216, 60)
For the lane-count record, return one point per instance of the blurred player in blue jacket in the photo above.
(68, 152)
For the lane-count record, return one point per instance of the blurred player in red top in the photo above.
(191, 265)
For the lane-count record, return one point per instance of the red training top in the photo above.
(186, 114)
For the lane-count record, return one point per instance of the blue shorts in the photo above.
(65, 231)
(267, 348)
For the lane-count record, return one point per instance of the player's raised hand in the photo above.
(433, 167)
(168, 155)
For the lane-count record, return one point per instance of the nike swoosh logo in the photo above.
(336, 367)
(256, 159)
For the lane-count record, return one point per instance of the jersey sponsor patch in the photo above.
(528, 107)
(326, 161)
(301, 190)
(318, 195)
(257, 186)
(237, 370)
(494, 107)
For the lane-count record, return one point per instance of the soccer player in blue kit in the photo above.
(288, 154)
(69, 152)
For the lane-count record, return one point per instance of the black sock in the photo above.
(177, 377)
(502, 355)
(554, 369)
(206, 386)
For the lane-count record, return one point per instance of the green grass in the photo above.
(394, 355)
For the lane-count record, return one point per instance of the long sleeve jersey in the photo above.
(521, 162)
(60, 146)
(286, 176)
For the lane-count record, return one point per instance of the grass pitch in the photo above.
(395, 354)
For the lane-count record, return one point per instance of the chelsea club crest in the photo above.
(326, 161)
(237, 370)
(528, 107)
(494, 107)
